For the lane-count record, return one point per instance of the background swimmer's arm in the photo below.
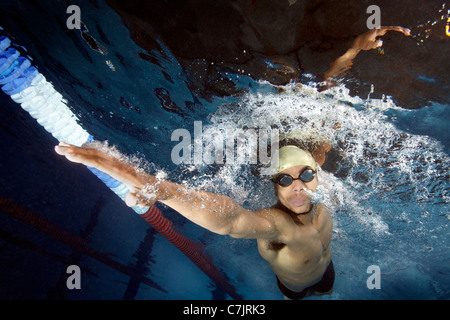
(365, 41)
(217, 213)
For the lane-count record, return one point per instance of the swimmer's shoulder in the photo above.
(322, 212)
(324, 224)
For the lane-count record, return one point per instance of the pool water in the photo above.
(385, 181)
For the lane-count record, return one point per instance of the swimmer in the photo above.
(293, 236)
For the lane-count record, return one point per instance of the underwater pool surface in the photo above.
(137, 71)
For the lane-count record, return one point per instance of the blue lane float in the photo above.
(29, 88)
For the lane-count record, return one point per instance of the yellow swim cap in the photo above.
(290, 156)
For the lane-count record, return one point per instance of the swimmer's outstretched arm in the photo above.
(365, 41)
(217, 213)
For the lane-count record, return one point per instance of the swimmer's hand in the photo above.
(365, 41)
(369, 41)
(136, 180)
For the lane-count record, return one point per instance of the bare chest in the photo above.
(301, 247)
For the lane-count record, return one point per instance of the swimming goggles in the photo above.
(286, 180)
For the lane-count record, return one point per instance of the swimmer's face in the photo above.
(295, 196)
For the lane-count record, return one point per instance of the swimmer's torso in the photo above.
(302, 254)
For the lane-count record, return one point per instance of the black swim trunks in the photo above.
(323, 286)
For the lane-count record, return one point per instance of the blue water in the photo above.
(388, 195)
